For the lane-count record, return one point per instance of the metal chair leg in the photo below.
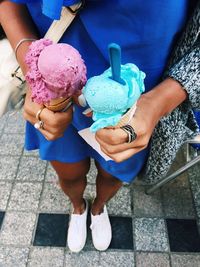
(173, 175)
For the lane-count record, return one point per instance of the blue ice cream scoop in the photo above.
(112, 93)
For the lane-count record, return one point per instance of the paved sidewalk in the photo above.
(148, 231)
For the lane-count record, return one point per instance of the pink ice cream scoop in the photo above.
(55, 71)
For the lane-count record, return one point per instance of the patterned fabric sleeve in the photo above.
(184, 65)
(174, 129)
(187, 73)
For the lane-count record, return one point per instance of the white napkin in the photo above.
(89, 137)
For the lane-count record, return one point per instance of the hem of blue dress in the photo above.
(45, 157)
(77, 159)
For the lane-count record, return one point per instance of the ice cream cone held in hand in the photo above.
(56, 73)
(112, 96)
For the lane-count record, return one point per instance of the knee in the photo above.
(71, 172)
(107, 177)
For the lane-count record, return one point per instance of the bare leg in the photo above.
(106, 187)
(72, 178)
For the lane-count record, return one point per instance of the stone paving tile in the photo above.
(54, 200)
(182, 260)
(117, 259)
(11, 144)
(8, 167)
(13, 257)
(146, 205)
(2, 214)
(25, 196)
(152, 260)
(91, 176)
(5, 189)
(51, 175)
(3, 121)
(150, 234)
(90, 192)
(15, 124)
(139, 180)
(194, 174)
(177, 202)
(46, 257)
(82, 259)
(17, 228)
(31, 169)
(31, 153)
(120, 204)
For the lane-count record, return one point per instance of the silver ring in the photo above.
(38, 114)
(130, 132)
(39, 125)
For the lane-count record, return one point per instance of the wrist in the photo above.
(21, 54)
(166, 96)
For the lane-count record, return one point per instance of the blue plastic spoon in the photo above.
(115, 62)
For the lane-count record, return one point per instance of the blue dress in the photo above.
(146, 33)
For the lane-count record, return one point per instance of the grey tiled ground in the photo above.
(29, 196)
(177, 202)
(31, 169)
(17, 228)
(185, 260)
(11, 144)
(53, 199)
(29, 186)
(15, 124)
(152, 259)
(83, 259)
(8, 167)
(120, 204)
(150, 234)
(13, 257)
(46, 257)
(5, 189)
(117, 259)
(146, 205)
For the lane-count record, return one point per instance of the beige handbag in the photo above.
(12, 81)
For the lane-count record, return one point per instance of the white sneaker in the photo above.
(77, 231)
(101, 230)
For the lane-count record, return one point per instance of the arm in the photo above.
(184, 65)
(17, 25)
(151, 107)
(182, 82)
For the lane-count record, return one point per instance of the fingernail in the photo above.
(88, 110)
(82, 101)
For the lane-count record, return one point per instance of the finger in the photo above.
(57, 120)
(124, 155)
(113, 149)
(48, 135)
(112, 136)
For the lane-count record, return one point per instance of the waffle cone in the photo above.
(126, 118)
(58, 104)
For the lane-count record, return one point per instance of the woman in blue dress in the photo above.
(146, 33)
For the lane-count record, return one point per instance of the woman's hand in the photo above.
(113, 142)
(150, 108)
(55, 123)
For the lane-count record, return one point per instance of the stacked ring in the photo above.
(38, 113)
(39, 124)
(130, 132)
